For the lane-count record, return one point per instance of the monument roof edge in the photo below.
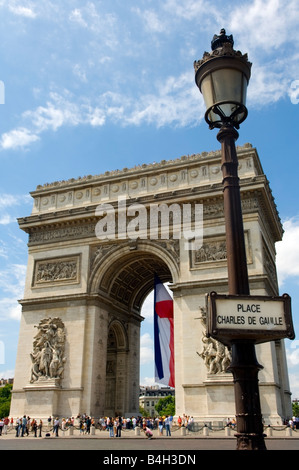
(202, 157)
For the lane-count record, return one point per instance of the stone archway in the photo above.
(94, 289)
(116, 369)
(122, 276)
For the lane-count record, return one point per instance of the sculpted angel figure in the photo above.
(48, 350)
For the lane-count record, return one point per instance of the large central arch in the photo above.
(122, 276)
(125, 271)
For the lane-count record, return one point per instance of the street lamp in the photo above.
(222, 76)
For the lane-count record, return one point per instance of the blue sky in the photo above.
(92, 86)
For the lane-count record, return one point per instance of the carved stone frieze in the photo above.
(53, 271)
(67, 232)
(50, 235)
(213, 250)
(172, 246)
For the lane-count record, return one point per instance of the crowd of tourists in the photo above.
(25, 425)
(115, 426)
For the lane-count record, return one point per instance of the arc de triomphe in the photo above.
(79, 342)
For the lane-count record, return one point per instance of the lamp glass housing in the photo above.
(224, 91)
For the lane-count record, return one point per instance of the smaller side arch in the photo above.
(117, 364)
(117, 335)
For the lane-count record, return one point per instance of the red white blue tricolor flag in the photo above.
(163, 334)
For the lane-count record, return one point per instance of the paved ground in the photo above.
(129, 443)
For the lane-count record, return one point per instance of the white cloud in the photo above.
(21, 10)
(201, 11)
(294, 385)
(265, 24)
(76, 16)
(147, 381)
(160, 100)
(58, 111)
(16, 138)
(177, 102)
(287, 260)
(7, 374)
(9, 200)
(80, 73)
(12, 283)
(146, 349)
(6, 219)
(293, 354)
(151, 19)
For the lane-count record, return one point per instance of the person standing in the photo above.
(34, 427)
(40, 427)
(167, 426)
(6, 423)
(56, 427)
(110, 426)
(118, 426)
(24, 425)
(18, 427)
(88, 424)
(161, 426)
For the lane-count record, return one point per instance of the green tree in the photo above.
(295, 407)
(166, 406)
(5, 397)
(142, 411)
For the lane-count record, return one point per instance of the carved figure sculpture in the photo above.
(48, 350)
(216, 356)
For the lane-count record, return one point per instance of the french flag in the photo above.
(163, 334)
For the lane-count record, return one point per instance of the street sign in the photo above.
(257, 318)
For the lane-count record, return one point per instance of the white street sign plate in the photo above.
(259, 318)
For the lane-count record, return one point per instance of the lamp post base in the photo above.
(245, 368)
(250, 441)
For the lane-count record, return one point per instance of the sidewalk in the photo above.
(277, 432)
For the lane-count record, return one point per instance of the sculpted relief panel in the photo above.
(53, 271)
(48, 351)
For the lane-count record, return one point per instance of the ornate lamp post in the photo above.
(222, 77)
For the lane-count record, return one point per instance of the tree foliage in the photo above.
(5, 398)
(295, 406)
(166, 406)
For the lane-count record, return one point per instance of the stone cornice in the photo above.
(143, 169)
(77, 223)
(150, 180)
